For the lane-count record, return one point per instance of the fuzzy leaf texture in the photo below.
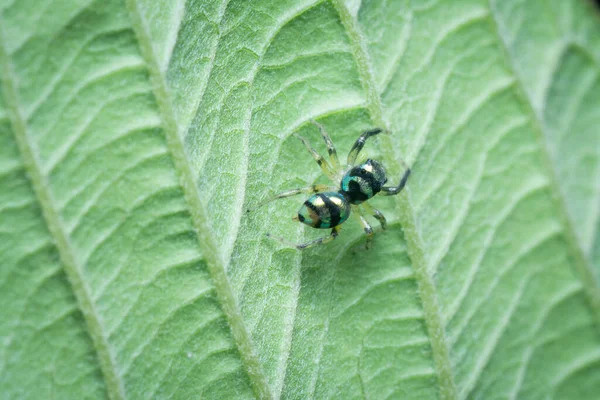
(135, 133)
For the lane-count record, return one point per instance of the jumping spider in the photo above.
(330, 206)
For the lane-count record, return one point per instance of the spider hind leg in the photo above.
(312, 189)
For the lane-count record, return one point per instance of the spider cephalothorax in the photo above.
(363, 181)
(329, 207)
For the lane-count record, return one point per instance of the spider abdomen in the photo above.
(324, 210)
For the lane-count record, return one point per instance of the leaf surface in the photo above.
(134, 135)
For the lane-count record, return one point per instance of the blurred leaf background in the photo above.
(134, 134)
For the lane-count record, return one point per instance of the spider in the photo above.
(328, 207)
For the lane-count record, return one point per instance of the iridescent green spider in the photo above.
(329, 206)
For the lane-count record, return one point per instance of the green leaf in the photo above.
(134, 134)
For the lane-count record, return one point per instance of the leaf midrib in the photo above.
(427, 290)
(71, 266)
(215, 263)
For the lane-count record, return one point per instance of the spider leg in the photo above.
(320, 160)
(378, 215)
(333, 157)
(312, 243)
(394, 190)
(359, 144)
(288, 193)
(366, 226)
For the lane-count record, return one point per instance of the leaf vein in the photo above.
(532, 245)
(216, 265)
(72, 267)
(564, 295)
(583, 267)
(502, 216)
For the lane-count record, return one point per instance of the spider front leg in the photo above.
(334, 234)
(288, 193)
(394, 190)
(320, 160)
(366, 226)
(333, 157)
(360, 143)
(378, 215)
